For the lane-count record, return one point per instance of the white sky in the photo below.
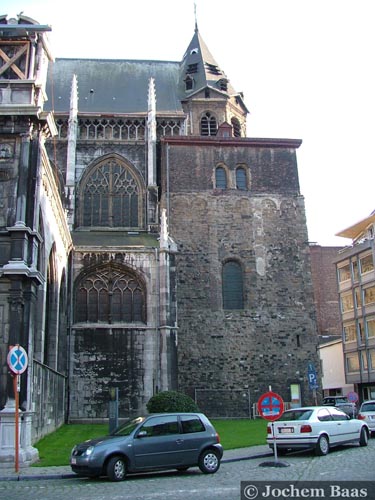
(306, 68)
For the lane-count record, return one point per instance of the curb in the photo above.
(72, 475)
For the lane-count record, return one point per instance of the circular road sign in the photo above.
(352, 397)
(17, 359)
(270, 406)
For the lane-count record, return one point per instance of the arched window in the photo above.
(110, 295)
(241, 181)
(232, 285)
(236, 127)
(208, 124)
(220, 178)
(110, 196)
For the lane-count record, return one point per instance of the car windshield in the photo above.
(128, 428)
(296, 415)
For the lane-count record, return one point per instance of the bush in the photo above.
(169, 401)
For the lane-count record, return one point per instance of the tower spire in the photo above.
(195, 16)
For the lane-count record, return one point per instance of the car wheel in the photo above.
(116, 469)
(322, 446)
(209, 462)
(363, 438)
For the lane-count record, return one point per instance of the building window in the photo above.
(364, 361)
(347, 302)
(370, 327)
(189, 83)
(369, 295)
(208, 125)
(241, 180)
(357, 297)
(361, 333)
(110, 196)
(232, 285)
(236, 127)
(220, 178)
(355, 270)
(352, 363)
(110, 295)
(366, 264)
(372, 359)
(350, 332)
(344, 273)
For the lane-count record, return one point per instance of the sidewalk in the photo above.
(65, 472)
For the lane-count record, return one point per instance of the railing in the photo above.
(49, 400)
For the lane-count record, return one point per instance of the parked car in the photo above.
(315, 427)
(150, 443)
(342, 403)
(367, 414)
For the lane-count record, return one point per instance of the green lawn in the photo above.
(55, 448)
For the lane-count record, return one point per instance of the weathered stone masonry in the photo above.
(270, 341)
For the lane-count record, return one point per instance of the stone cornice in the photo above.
(232, 142)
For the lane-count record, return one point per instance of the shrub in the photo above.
(169, 401)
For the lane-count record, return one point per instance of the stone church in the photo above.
(146, 242)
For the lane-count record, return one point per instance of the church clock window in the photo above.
(220, 178)
(110, 295)
(208, 125)
(232, 283)
(111, 196)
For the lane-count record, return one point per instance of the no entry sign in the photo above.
(270, 406)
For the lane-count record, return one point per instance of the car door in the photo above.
(327, 424)
(347, 430)
(157, 443)
(194, 436)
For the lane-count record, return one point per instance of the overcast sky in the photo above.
(306, 68)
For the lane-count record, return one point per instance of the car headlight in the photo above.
(88, 451)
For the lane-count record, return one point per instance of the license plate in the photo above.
(73, 461)
(286, 430)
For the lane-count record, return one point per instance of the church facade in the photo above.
(147, 243)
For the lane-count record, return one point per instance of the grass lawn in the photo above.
(55, 448)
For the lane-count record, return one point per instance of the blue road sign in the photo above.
(312, 377)
(17, 359)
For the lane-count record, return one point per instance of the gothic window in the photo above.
(236, 127)
(208, 124)
(111, 196)
(220, 178)
(110, 295)
(232, 285)
(241, 182)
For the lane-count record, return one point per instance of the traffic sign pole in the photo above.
(17, 362)
(16, 423)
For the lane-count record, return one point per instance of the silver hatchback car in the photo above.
(150, 443)
(367, 413)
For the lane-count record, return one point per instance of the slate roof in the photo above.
(112, 86)
(117, 86)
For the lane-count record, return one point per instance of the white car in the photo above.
(367, 414)
(315, 427)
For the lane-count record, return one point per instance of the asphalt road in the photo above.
(349, 463)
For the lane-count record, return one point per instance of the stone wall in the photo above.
(272, 339)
